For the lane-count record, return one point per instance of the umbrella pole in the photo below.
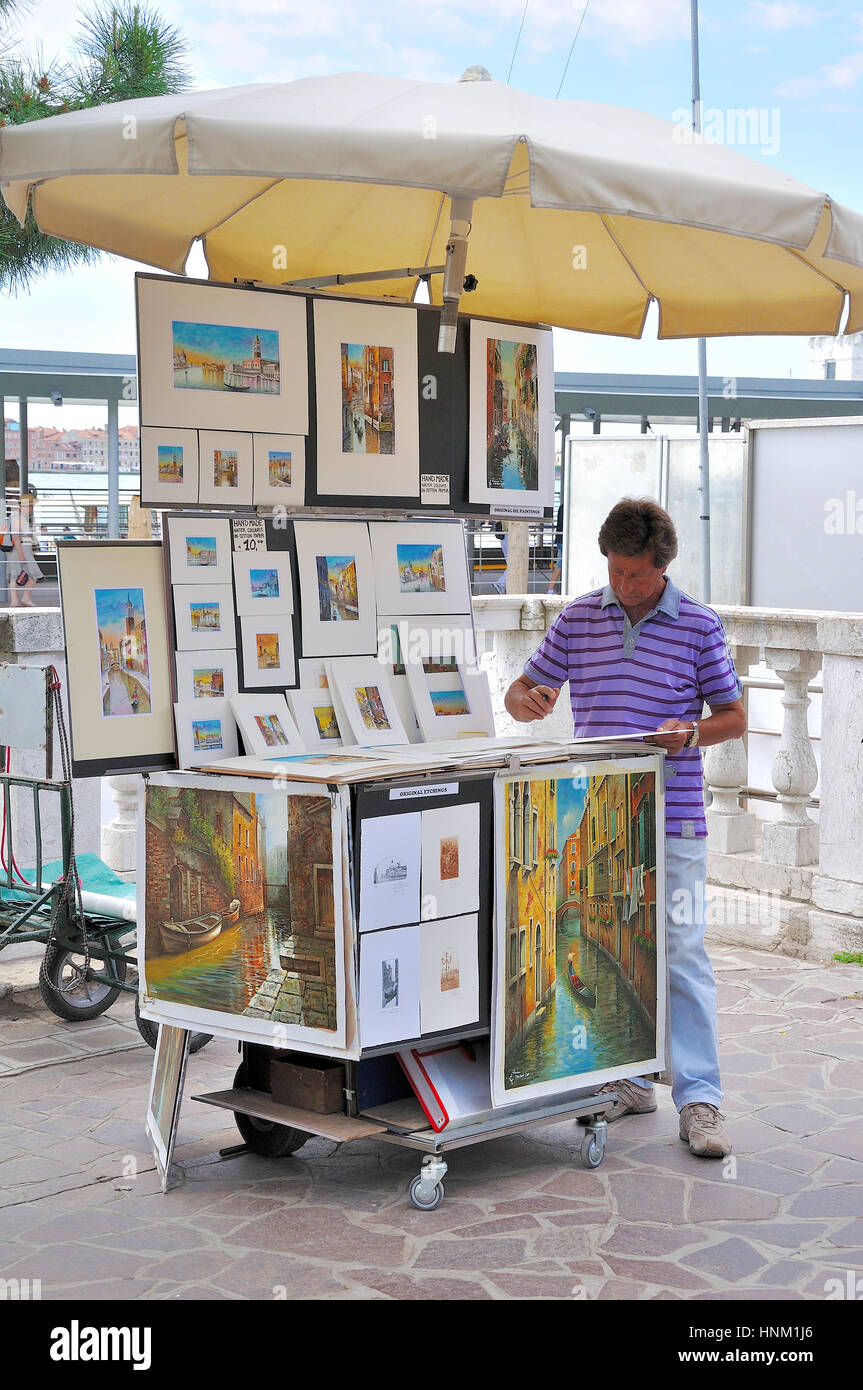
(704, 449)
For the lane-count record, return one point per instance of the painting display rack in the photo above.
(375, 1099)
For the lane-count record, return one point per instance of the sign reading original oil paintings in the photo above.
(242, 927)
(579, 977)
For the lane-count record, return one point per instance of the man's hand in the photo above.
(675, 737)
(526, 702)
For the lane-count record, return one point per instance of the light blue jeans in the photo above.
(691, 986)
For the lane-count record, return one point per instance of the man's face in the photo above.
(635, 579)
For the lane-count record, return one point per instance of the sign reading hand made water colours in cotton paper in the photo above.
(243, 910)
(579, 988)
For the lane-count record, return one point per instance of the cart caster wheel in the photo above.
(417, 1193)
(592, 1150)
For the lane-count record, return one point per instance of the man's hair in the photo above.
(637, 524)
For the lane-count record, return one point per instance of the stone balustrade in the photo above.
(789, 882)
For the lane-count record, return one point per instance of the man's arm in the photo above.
(526, 700)
(723, 723)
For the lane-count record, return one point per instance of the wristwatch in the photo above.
(692, 741)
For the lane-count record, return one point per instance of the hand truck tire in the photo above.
(65, 990)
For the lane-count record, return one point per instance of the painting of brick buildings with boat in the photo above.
(580, 892)
(240, 908)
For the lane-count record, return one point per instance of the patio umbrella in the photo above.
(569, 213)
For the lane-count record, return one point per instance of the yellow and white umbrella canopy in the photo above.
(576, 214)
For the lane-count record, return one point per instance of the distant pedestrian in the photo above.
(26, 572)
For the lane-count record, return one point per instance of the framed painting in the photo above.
(266, 725)
(268, 651)
(337, 588)
(441, 643)
(224, 468)
(449, 704)
(262, 579)
(206, 732)
(236, 358)
(390, 860)
(279, 470)
(203, 616)
(366, 385)
(169, 466)
(450, 860)
(511, 420)
(210, 675)
(241, 929)
(579, 980)
(390, 986)
(449, 973)
(363, 691)
(166, 1093)
(420, 567)
(315, 717)
(199, 550)
(118, 665)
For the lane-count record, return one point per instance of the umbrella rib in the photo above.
(623, 252)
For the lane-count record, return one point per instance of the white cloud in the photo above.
(830, 77)
(784, 14)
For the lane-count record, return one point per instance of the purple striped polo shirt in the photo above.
(625, 679)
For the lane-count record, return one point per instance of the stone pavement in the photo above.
(81, 1207)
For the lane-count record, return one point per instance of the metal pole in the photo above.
(703, 451)
(2, 451)
(113, 471)
(24, 460)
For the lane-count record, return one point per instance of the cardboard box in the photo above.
(309, 1083)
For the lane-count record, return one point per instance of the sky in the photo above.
(799, 65)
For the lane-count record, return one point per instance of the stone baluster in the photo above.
(793, 839)
(120, 836)
(730, 829)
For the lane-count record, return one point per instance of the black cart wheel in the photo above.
(73, 993)
(265, 1136)
(150, 1032)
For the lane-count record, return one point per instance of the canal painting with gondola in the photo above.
(240, 906)
(577, 968)
(122, 626)
(512, 429)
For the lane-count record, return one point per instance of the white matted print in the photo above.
(511, 427)
(449, 983)
(440, 642)
(203, 616)
(169, 466)
(420, 567)
(451, 704)
(235, 357)
(367, 400)
(337, 588)
(316, 718)
(268, 651)
(363, 690)
(225, 468)
(450, 861)
(389, 986)
(209, 675)
(206, 732)
(266, 725)
(199, 548)
(279, 470)
(390, 855)
(263, 582)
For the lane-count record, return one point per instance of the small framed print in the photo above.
(337, 588)
(365, 694)
(440, 642)
(263, 582)
(210, 675)
(511, 427)
(206, 732)
(268, 651)
(279, 470)
(266, 725)
(199, 549)
(169, 466)
(225, 468)
(449, 973)
(450, 704)
(420, 567)
(316, 718)
(203, 616)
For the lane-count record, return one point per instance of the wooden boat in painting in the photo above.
(581, 991)
(197, 931)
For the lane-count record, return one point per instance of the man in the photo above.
(639, 654)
